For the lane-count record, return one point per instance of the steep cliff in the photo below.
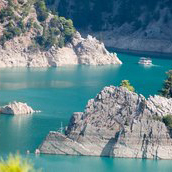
(117, 123)
(140, 25)
(31, 36)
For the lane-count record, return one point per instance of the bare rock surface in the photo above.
(117, 123)
(17, 108)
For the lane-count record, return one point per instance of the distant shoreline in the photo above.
(141, 53)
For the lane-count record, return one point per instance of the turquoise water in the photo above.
(58, 92)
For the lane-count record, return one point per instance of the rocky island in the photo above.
(17, 108)
(31, 36)
(117, 123)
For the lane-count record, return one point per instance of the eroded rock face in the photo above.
(87, 51)
(90, 51)
(117, 123)
(17, 108)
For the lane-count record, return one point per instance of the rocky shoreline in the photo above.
(88, 51)
(117, 123)
(134, 42)
(141, 53)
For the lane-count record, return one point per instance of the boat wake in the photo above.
(156, 65)
(150, 66)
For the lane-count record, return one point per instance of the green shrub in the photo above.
(41, 10)
(7, 12)
(167, 86)
(157, 118)
(126, 84)
(29, 23)
(36, 26)
(21, 25)
(61, 42)
(68, 32)
(10, 3)
(10, 32)
(16, 164)
(8, 35)
(55, 22)
(16, 31)
(40, 40)
(168, 121)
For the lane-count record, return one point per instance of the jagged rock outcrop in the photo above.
(117, 123)
(17, 108)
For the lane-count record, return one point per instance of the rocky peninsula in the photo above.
(87, 51)
(17, 108)
(116, 123)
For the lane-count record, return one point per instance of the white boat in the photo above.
(145, 61)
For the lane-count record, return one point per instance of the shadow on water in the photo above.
(142, 53)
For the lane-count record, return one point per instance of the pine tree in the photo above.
(126, 84)
(167, 86)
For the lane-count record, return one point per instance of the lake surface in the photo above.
(58, 92)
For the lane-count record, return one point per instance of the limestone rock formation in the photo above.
(17, 108)
(87, 51)
(117, 123)
(90, 51)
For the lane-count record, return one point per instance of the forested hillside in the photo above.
(22, 17)
(107, 14)
(142, 25)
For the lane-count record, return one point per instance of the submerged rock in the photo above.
(17, 108)
(117, 123)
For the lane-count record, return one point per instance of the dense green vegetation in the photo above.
(167, 87)
(56, 31)
(13, 24)
(126, 84)
(107, 14)
(41, 10)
